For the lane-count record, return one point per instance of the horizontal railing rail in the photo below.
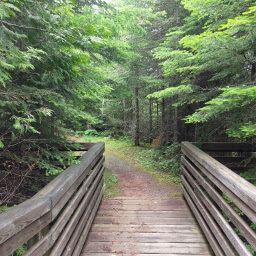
(209, 188)
(57, 219)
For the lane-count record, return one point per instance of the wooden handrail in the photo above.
(70, 198)
(205, 180)
(227, 146)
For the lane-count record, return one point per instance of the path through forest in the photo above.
(144, 219)
(134, 182)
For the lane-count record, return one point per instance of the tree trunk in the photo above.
(124, 116)
(175, 125)
(137, 116)
(157, 115)
(150, 122)
(163, 122)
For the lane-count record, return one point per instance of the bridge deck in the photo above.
(133, 226)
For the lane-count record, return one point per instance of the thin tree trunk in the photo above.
(150, 122)
(163, 122)
(124, 116)
(175, 125)
(157, 115)
(137, 116)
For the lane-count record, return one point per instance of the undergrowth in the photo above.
(163, 163)
(111, 188)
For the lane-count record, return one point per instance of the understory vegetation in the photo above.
(149, 73)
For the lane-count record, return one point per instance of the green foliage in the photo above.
(239, 212)
(231, 101)
(215, 47)
(20, 251)
(111, 188)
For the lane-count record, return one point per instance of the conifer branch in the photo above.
(22, 27)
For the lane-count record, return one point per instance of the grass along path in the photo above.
(125, 161)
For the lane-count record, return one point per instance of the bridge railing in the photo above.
(221, 200)
(57, 219)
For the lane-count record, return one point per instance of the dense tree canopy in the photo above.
(153, 69)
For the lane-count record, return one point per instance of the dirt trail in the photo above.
(134, 182)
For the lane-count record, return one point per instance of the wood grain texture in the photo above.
(143, 227)
(222, 240)
(74, 229)
(243, 227)
(83, 237)
(239, 186)
(209, 235)
(22, 222)
(228, 146)
(226, 190)
(48, 241)
(218, 217)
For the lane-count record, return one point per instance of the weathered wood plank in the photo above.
(144, 207)
(239, 203)
(74, 228)
(237, 160)
(159, 214)
(82, 238)
(224, 225)
(24, 235)
(155, 202)
(239, 186)
(210, 237)
(243, 227)
(140, 254)
(58, 207)
(228, 146)
(124, 237)
(208, 219)
(145, 220)
(19, 217)
(144, 248)
(47, 242)
(149, 228)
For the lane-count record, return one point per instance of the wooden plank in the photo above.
(143, 207)
(144, 248)
(59, 186)
(239, 186)
(74, 227)
(149, 228)
(210, 237)
(58, 207)
(228, 146)
(19, 217)
(237, 160)
(155, 202)
(160, 214)
(47, 242)
(208, 219)
(140, 254)
(243, 227)
(83, 237)
(145, 220)
(14, 242)
(86, 220)
(224, 225)
(124, 237)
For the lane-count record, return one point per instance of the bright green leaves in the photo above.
(234, 104)
(172, 91)
(7, 10)
(215, 47)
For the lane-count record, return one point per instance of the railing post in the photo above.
(32, 241)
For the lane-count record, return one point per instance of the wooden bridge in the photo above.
(60, 219)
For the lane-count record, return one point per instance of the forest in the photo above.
(156, 72)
